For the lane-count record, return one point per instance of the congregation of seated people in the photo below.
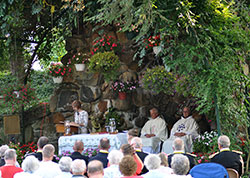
(131, 160)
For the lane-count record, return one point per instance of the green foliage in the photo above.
(106, 63)
(158, 80)
(112, 113)
(39, 80)
(79, 58)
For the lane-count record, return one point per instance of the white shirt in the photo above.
(26, 175)
(82, 117)
(48, 169)
(112, 172)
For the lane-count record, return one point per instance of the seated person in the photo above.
(127, 149)
(131, 134)
(228, 159)
(128, 167)
(180, 166)
(95, 169)
(153, 132)
(103, 153)
(186, 129)
(81, 117)
(77, 154)
(178, 146)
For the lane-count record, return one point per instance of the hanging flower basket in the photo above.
(80, 67)
(122, 95)
(57, 79)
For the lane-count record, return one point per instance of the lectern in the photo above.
(69, 129)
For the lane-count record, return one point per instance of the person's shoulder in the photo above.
(237, 152)
(214, 155)
(190, 155)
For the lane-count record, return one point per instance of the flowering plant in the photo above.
(59, 70)
(158, 80)
(22, 150)
(90, 152)
(126, 87)
(79, 58)
(15, 96)
(204, 143)
(64, 153)
(106, 63)
(152, 41)
(107, 43)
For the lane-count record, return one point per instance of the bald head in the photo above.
(136, 142)
(95, 167)
(223, 141)
(178, 144)
(104, 144)
(78, 146)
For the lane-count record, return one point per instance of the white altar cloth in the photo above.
(66, 143)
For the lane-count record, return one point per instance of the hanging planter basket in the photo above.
(57, 79)
(80, 67)
(122, 95)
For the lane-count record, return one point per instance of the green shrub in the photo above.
(106, 63)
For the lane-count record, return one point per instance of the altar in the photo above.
(66, 143)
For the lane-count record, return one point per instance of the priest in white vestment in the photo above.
(186, 129)
(153, 132)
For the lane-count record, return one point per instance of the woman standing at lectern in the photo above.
(81, 117)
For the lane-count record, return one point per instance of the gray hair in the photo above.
(3, 148)
(30, 164)
(115, 157)
(178, 144)
(95, 166)
(78, 166)
(180, 164)
(224, 141)
(136, 142)
(152, 162)
(65, 164)
(48, 151)
(10, 154)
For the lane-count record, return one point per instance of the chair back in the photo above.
(232, 173)
(209, 170)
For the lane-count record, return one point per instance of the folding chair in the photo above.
(232, 173)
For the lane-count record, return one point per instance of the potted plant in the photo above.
(58, 71)
(106, 63)
(79, 60)
(123, 87)
(158, 80)
(104, 44)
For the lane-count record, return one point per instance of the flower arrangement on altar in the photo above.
(59, 70)
(16, 95)
(158, 79)
(106, 43)
(127, 87)
(79, 58)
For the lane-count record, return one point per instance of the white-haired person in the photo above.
(65, 166)
(153, 163)
(180, 166)
(114, 158)
(29, 165)
(226, 157)
(10, 169)
(48, 169)
(78, 168)
(164, 168)
(3, 148)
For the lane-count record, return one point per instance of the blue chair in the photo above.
(209, 170)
